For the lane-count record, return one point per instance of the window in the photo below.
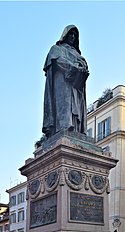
(89, 132)
(6, 227)
(20, 215)
(12, 201)
(1, 228)
(13, 218)
(104, 128)
(21, 197)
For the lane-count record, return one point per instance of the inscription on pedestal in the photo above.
(86, 208)
(43, 211)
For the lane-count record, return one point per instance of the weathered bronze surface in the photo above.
(65, 89)
(43, 211)
(86, 208)
(34, 186)
(52, 178)
(75, 177)
(98, 181)
(76, 138)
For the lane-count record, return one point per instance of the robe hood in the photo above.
(55, 52)
(64, 34)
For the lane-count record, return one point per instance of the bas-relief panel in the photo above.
(43, 211)
(83, 208)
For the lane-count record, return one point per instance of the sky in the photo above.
(28, 29)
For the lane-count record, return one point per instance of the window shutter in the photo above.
(23, 215)
(108, 129)
(109, 125)
(23, 196)
(14, 217)
(18, 199)
(99, 131)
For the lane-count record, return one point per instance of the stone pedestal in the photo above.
(68, 186)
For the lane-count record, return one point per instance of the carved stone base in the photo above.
(68, 186)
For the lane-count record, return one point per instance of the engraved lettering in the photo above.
(86, 208)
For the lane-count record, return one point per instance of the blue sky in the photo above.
(28, 30)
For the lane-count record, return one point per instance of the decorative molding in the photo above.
(99, 184)
(34, 188)
(74, 179)
(116, 223)
(77, 180)
(62, 177)
(84, 166)
(86, 185)
(51, 180)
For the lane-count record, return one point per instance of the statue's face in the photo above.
(71, 37)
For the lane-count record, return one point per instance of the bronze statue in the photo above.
(65, 89)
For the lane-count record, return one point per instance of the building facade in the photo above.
(17, 207)
(4, 217)
(106, 124)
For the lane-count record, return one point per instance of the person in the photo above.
(66, 73)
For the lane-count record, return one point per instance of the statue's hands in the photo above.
(74, 72)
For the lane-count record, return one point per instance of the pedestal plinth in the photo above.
(68, 186)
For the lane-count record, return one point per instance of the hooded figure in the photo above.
(65, 96)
